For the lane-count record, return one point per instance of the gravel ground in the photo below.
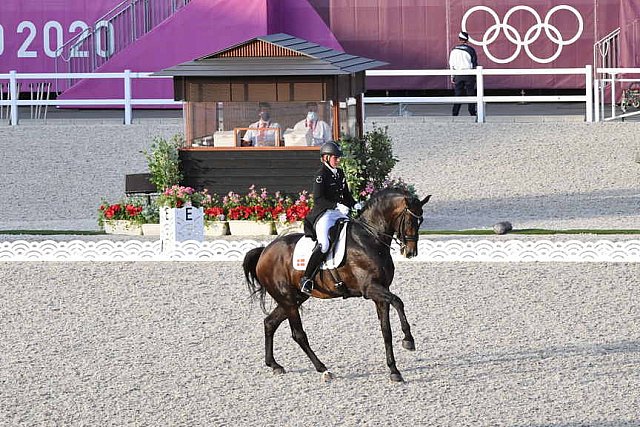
(535, 175)
(554, 175)
(181, 344)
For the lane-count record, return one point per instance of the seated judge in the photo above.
(316, 131)
(260, 135)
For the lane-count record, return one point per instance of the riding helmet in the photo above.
(330, 148)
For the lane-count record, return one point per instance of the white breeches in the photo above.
(324, 223)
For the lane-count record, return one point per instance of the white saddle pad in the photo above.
(334, 258)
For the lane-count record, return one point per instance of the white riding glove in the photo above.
(358, 206)
(342, 209)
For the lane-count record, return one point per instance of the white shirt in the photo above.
(317, 133)
(258, 138)
(460, 60)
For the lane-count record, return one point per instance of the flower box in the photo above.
(121, 226)
(216, 228)
(289, 227)
(250, 228)
(150, 229)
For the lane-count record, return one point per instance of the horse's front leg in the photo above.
(300, 336)
(382, 308)
(407, 341)
(271, 323)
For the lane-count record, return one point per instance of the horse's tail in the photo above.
(249, 265)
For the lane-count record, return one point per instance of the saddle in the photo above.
(334, 258)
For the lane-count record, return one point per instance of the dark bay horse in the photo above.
(367, 272)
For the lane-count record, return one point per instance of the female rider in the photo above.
(332, 201)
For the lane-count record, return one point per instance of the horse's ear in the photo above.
(425, 200)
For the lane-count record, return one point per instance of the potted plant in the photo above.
(163, 162)
(215, 218)
(251, 214)
(293, 212)
(124, 217)
(367, 161)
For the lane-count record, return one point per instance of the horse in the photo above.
(390, 214)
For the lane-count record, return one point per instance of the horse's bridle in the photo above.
(399, 230)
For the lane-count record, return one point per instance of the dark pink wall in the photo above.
(408, 34)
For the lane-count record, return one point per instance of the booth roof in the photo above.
(292, 56)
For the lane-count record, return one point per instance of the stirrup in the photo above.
(306, 286)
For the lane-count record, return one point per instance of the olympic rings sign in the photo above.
(532, 34)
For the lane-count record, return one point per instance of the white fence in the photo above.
(610, 83)
(593, 97)
(127, 101)
(480, 99)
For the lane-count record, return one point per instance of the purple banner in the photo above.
(31, 31)
(408, 34)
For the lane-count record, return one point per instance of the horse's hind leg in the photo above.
(271, 323)
(300, 336)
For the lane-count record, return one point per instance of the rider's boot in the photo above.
(306, 282)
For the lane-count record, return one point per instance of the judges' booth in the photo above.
(246, 111)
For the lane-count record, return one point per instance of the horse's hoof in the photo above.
(397, 378)
(327, 376)
(409, 345)
(278, 370)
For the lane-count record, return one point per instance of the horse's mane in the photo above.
(383, 196)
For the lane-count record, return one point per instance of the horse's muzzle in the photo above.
(409, 252)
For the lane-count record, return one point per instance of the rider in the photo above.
(332, 201)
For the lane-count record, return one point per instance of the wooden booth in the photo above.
(285, 76)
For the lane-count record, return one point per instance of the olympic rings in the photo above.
(531, 35)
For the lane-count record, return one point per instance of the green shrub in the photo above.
(163, 162)
(368, 161)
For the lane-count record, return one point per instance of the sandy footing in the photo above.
(181, 344)
(554, 175)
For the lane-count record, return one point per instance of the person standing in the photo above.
(463, 57)
(332, 201)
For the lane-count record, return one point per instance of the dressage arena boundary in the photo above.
(225, 250)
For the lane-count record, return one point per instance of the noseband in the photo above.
(402, 226)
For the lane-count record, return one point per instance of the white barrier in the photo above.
(510, 250)
(599, 86)
(127, 101)
(480, 99)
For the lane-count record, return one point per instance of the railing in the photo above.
(600, 86)
(13, 100)
(605, 51)
(120, 27)
(480, 99)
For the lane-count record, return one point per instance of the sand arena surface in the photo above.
(554, 175)
(180, 344)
